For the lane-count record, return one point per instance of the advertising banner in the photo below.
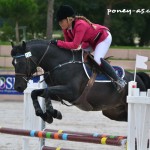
(7, 85)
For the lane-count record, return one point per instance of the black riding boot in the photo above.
(112, 74)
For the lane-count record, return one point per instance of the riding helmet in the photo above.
(65, 11)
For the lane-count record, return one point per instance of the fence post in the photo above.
(138, 119)
(30, 120)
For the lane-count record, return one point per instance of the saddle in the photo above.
(82, 102)
(89, 60)
(95, 70)
(91, 66)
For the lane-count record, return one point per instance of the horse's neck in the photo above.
(52, 56)
(39, 53)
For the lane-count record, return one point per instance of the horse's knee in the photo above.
(36, 93)
(45, 93)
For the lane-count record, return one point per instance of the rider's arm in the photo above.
(66, 36)
(79, 32)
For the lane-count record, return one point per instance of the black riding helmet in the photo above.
(65, 11)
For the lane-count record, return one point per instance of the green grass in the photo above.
(138, 70)
(5, 43)
(6, 68)
(5, 56)
(130, 47)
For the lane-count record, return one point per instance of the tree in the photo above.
(50, 12)
(17, 11)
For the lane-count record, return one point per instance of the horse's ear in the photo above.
(24, 45)
(12, 44)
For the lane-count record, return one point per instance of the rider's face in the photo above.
(65, 24)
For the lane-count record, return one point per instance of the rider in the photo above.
(79, 31)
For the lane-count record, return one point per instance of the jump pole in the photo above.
(87, 134)
(64, 136)
(54, 148)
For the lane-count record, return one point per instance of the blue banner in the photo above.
(7, 85)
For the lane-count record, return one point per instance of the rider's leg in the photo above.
(102, 48)
(111, 72)
(99, 54)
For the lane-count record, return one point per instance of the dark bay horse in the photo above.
(66, 80)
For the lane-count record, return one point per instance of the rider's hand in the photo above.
(53, 42)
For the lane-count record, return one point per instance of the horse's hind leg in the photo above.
(117, 114)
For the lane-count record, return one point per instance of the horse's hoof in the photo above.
(54, 113)
(58, 115)
(48, 118)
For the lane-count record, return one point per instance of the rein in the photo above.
(73, 61)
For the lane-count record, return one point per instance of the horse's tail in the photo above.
(145, 78)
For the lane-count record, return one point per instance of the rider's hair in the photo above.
(87, 20)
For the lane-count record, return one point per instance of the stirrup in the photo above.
(120, 84)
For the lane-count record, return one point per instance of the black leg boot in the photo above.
(108, 69)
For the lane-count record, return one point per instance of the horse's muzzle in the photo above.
(20, 86)
(19, 89)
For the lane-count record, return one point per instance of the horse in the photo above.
(66, 81)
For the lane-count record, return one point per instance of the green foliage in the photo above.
(123, 26)
(7, 33)
(17, 9)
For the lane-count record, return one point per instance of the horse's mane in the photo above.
(37, 41)
(18, 48)
(34, 42)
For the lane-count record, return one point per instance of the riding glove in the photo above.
(53, 42)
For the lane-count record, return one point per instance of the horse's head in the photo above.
(24, 65)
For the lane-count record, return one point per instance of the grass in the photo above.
(6, 68)
(130, 47)
(5, 43)
(5, 56)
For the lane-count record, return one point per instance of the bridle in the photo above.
(29, 58)
(28, 75)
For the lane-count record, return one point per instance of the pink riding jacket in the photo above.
(83, 34)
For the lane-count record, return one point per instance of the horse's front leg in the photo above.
(50, 111)
(37, 107)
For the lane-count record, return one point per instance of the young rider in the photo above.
(79, 31)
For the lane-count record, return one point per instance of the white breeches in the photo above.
(102, 48)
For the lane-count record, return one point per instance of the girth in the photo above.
(82, 102)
